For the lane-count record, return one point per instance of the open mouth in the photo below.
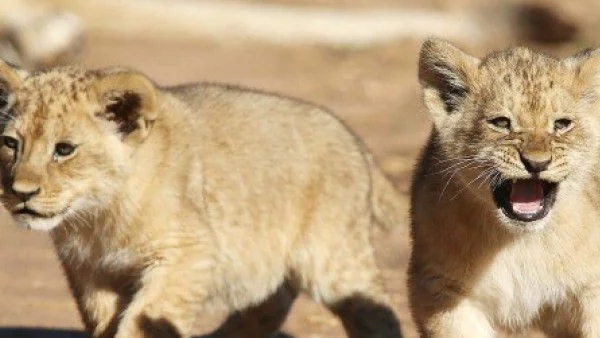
(525, 200)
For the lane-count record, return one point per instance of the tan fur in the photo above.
(475, 271)
(178, 200)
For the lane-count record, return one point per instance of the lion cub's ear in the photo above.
(10, 79)
(129, 100)
(446, 74)
(586, 68)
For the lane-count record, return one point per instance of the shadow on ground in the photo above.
(20, 332)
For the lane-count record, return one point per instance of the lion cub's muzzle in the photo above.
(18, 198)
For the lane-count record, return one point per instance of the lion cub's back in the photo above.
(270, 129)
(274, 151)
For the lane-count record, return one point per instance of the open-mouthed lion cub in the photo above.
(506, 197)
(165, 202)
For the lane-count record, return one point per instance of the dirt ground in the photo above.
(375, 90)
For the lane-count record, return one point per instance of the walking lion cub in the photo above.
(506, 196)
(166, 202)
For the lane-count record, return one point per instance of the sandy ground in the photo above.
(374, 89)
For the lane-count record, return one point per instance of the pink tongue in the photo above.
(526, 196)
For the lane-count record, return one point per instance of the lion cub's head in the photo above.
(519, 128)
(67, 138)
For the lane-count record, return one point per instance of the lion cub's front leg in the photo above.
(166, 304)
(439, 315)
(462, 321)
(99, 307)
(99, 310)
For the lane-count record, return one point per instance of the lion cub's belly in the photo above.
(516, 286)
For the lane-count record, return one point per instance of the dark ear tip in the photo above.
(585, 58)
(433, 52)
(435, 45)
(426, 48)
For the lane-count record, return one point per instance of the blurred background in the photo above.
(357, 57)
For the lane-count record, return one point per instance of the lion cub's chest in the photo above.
(517, 284)
(98, 257)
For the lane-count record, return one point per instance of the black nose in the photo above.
(535, 166)
(26, 195)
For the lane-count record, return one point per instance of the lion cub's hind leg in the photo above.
(365, 317)
(345, 277)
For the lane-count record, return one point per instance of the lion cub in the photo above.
(506, 196)
(166, 202)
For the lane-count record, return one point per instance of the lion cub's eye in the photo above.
(562, 125)
(63, 149)
(500, 122)
(10, 142)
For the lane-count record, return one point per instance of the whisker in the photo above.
(482, 174)
(454, 166)
(476, 166)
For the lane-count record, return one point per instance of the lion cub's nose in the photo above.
(25, 191)
(535, 164)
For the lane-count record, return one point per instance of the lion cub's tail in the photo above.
(389, 209)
